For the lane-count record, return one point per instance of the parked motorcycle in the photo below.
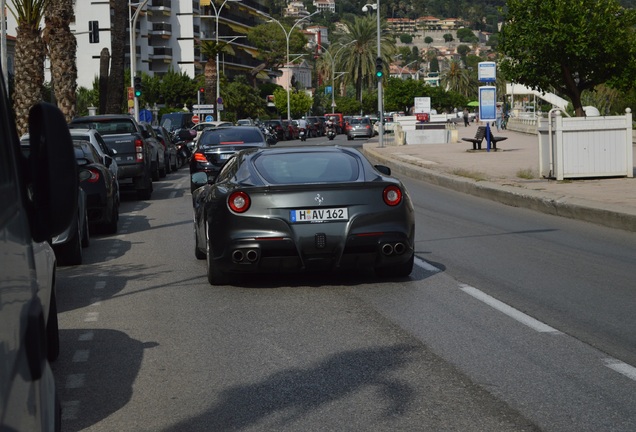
(184, 140)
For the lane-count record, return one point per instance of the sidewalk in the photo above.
(511, 176)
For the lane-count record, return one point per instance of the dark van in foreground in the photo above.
(39, 199)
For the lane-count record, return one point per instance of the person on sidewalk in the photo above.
(499, 116)
(466, 119)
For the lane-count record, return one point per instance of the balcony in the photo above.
(161, 29)
(160, 6)
(161, 54)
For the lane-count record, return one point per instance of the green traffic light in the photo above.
(137, 93)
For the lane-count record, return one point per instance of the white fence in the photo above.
(579, 147)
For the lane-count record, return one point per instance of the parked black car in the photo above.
(216, 146)
(97, 182)
(170, 148)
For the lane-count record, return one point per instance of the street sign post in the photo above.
(195, 119)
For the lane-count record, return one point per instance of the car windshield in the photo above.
(357, 121)
(108, 127)
(318, 167)
(231, 136)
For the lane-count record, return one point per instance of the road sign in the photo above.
(209, 118)
(422, 105)
(488, 103)
(487, 71)
(195, 119)
(145, 115)
(219, 100)
(200, 106)
(131, 95)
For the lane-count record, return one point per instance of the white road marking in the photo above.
(81, 356)
(508, 310)
(426, 266)
(86, 336)
(70, 410)
(75, 381)
(91, 317)
(620, 367)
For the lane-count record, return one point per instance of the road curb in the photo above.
(572, 208)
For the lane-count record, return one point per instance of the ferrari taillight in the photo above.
(392, 195)
(239, 202)
(94, 175)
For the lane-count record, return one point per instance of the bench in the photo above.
(480, 135)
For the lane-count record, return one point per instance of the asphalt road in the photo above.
(148, 345)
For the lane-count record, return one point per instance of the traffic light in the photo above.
(202, 90)
(93, 31)
(138, 87)
(379, 72)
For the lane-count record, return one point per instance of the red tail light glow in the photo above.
(200, 157)
(392, 195)
(139, 149)
(239, 202)
(91, 175)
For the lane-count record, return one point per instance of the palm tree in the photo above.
(29, 59)
(358, 58)
(116, 86)
(62, 47)
(457, 79)
(212, 48)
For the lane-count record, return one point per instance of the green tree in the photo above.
(463, 50)
(241, 100)
(299, 102)
(428, 40)
(569, 46)
(62, 47)
(457, 79)
(359, 56)
(271, 42)
(29, 59)
(406, 38)
(211, 49)
(466, 35)
(448, 37)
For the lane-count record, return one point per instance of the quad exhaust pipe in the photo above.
(389, 249)
(250, 255)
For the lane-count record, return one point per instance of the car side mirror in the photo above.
(52, 172)
(199, 179)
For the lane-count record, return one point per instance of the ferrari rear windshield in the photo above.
(231, 136)
(304, 167)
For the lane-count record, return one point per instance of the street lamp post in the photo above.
(376, 7)
(333, 72)
(132, 19)
(287, 36)
(217, 12)
(405, 66)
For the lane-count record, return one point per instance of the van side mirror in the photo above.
(52, 172)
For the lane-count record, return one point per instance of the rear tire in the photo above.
(215, 275)
(155, 170)
(110, 227)
(70, 253)
(52, 332)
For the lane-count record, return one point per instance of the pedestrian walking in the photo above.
(499, 116)
(466, 119)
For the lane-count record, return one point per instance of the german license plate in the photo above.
(225, 156)
(319, 215)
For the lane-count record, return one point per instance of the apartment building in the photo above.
(167, 33)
